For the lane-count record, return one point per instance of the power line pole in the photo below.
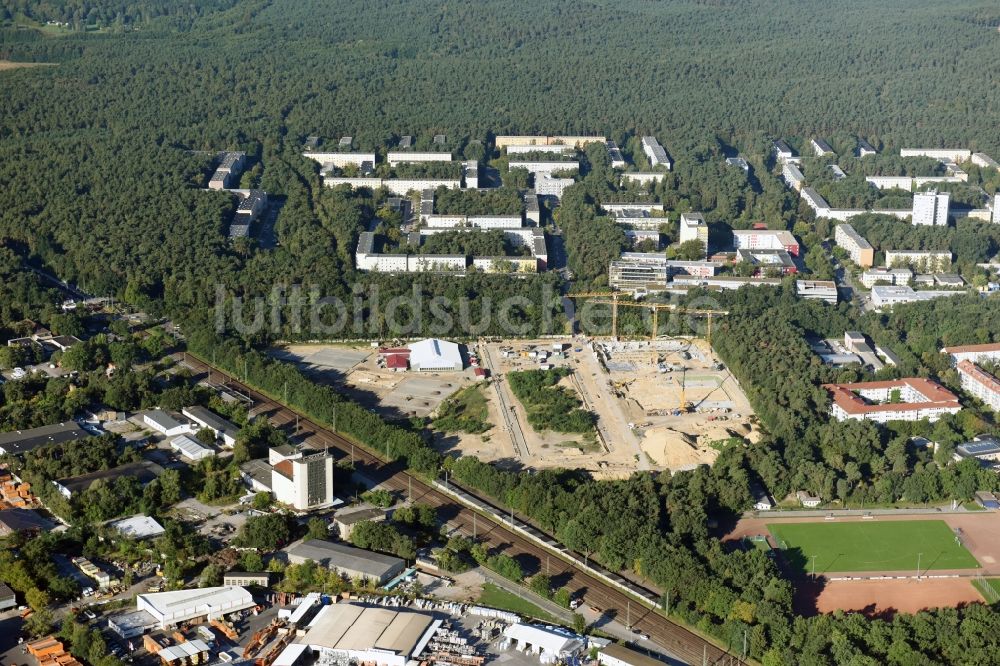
(918, 565)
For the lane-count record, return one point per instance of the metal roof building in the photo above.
(432, 355)
(550, 644)
(22, 441)
(190, 449)
(348, 560)
(369, 635)
(171, 608)
(226, 430)
(138, 527)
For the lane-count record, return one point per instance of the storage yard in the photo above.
(361, 371)
(660, 404)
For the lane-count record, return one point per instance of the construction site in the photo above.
(660, 404)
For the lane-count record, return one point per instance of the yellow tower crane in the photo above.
(613, 298)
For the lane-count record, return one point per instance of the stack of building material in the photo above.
(50, 652)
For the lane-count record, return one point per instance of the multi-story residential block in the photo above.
(655, 153)
(956, 155)
(783, 152)
(886, 295)
(693, 227)
(364, 161)
(931, 208)
(924, 261)
(821, 147)
(615, 156)
(547, 186)
(642, 177)
(980, 384)
(984, 161)
(838, 173)
(899, 276)
(521, 140)
(865, 149)
(470, 171)
(766, 239)
(792, 176)
(910, 399)
(396, 157)
(973, 353)
(545, 167)
(860, 250)
(550, 149)
(227, 174)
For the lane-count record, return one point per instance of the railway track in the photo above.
(500, 533)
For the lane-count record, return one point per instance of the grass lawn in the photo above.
(871, 546)
(466, 411)
(495, 597)
(989, 588)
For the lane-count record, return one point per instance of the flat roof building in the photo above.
(21, 441)
(885, 295)
(374, 636)
(694, 227)
(347, 560)
(16, 520)
(138, 527)
(305, 481)
(247, 578)
(821, 290)
(765, 239)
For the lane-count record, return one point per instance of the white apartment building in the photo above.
(885, 295)
(655, 153)
(642, 177)
(980, 384)
(925, 261)
(693, 227)
(615, 156)
(547, 186)
(395, 157)
(340, 160)
(956, 155)
(900, 276)
(765, 239)
(821, 147)
(865, 149)
(860, 250)
(931, 208)
(792, 176)
(470, 172)
(550, 149)
(973, 353)
(546, 167)
(984, 161)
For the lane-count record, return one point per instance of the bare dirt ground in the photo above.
(882, 597)
(355, 369)
(980, 534)
(7, 64)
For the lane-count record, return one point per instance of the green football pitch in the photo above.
(871, 546)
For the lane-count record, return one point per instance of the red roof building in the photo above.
(397, 362)
(910, 399)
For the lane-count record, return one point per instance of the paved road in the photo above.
(672, 639)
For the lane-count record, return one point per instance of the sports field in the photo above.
(871, 546)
